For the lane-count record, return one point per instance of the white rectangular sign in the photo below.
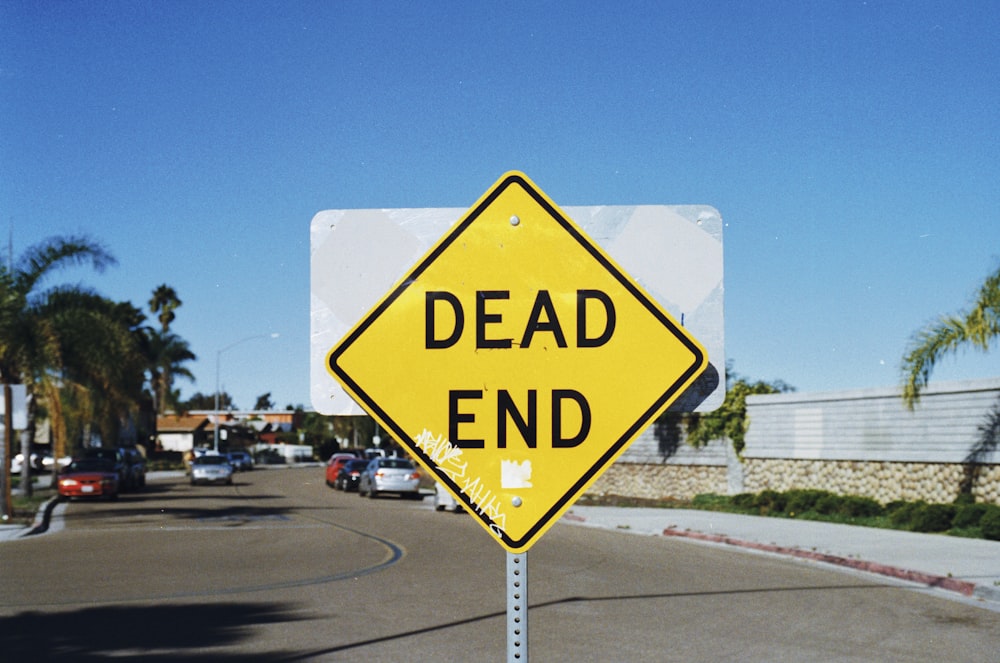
(674, 252)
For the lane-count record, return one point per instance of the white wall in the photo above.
(946, 426)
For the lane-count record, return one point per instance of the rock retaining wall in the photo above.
(882, 481)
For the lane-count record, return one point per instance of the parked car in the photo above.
(350, 474)
(240, 460)
(129, 463)
(443, 500)
(390, 475)
(333, 466)
(211, 469)
(89, 477)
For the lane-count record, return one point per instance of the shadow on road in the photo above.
(186, 632)
(534, 607)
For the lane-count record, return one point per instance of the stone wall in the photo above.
(858, 442)
(660, 481)
(882, 481)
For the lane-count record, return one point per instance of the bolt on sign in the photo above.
(516, 360)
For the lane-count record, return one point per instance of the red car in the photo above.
(333, 466)
(89, 477)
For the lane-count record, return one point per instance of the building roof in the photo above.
(166, 423)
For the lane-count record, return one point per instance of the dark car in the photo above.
(240, 460)
(129, 464)
(332, 469)
(350, 475)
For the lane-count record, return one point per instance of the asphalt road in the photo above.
(279, 567)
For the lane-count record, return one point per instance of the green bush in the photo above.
(803, 500)
(711, 501)
(933, 518)
(990, 523)
(965, 498)
(902, 514)
(969, 515)
(770, 501)
(856, 506)
(744, 500)
(828, 505)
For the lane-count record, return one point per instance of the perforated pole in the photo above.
(517, 607)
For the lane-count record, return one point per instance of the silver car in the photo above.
(443, 500)
(211, 469)
(390, 475)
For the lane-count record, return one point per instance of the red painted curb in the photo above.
(951, 584)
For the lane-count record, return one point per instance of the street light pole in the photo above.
(218, 362)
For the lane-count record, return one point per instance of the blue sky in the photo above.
(853, 149)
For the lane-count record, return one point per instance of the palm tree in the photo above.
(166, 353)
(29, 342)
(102, 364)
(978, 327)
(164, 302)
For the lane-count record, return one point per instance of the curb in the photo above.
(930, 580)
(962, 587)
(43, 517)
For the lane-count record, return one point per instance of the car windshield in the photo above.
(211, 460)
(109, 454)
(356, 465)
(90, 465)
(397, 464)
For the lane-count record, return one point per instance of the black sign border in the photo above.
(699, 363)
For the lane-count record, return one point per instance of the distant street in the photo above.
(279, 567)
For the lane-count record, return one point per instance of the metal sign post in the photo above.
(517, 607)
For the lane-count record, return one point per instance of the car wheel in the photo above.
(372, 493)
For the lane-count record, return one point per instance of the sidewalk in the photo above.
(970, 567)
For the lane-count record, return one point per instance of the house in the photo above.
(182, 432)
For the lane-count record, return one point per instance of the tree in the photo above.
(978, 327)
(102, 366)
(167, 351)
(200, 401)
(30, 350)
(164, 302)
(264, 402)
(729, 421)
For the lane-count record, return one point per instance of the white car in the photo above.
(390, 475)
(211, 469)
(444, 501)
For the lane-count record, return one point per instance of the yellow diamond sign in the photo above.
(516, 361)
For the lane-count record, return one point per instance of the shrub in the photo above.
(901, 514)
(800, 501)
(856, 506)
(770, 501)
(933, 518)
(965, 498)
(969, 515)
(711, 501)
(744, 500)
(828, 504)
(990, 523)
